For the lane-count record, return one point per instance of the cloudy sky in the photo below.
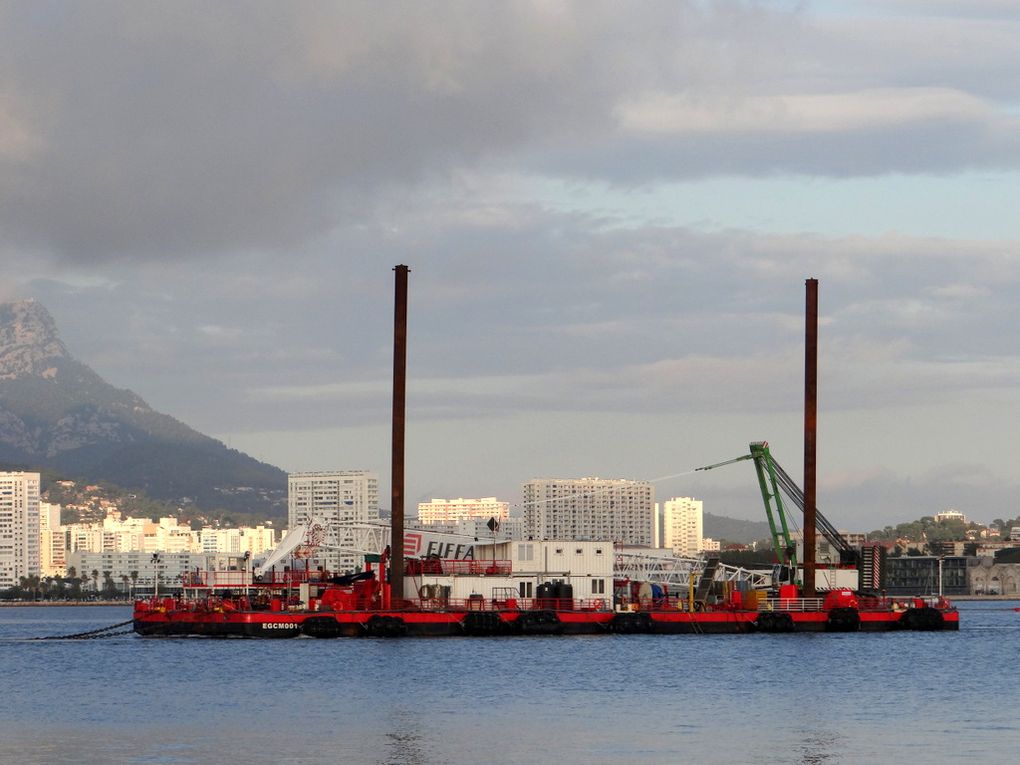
(609, 211)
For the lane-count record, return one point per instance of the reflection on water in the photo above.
(781, 699)
(404, 742)
(821, 746)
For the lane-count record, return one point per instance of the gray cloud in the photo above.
(131, 130)
(209, 199)
(548, 312)
(163, 130)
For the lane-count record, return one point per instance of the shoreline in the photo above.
(1014, 596)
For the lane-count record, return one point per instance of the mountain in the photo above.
(56, 412)
(734, 529)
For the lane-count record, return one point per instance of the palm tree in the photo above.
(75, 581)
(126, 580)
(33, 583)
(95, 580)
(109, 588)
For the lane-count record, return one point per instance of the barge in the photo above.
(293, 604)
(450, 600)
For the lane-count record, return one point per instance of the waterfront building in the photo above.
(682, 524)
(921, 574)
(825, 553)
(137, 571)
(985, 576)
(450, 511)
(340, 498)
(19, 527)
(614, 510)
(52, 546)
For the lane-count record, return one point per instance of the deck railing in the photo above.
(235, 579)
(791, 604)
(441, 566)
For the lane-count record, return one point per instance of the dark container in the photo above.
(565, 595)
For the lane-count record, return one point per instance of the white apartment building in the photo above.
(340, 498)
(238, 541)
(167, 535)
(448, 511)
(682, 525)
(19, 527)
(119, 534)
(600, 509)
(52, 544)
(509, 528)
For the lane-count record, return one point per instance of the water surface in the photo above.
(840, 698)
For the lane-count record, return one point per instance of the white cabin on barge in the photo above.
(515, 569)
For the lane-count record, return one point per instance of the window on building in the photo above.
(598, 586)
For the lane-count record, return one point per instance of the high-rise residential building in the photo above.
(450, 511)
(339, 498)
(603, 509)
(682, 524)
(52, 541)
(19, 527)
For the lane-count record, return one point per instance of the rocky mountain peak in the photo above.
(29, 343)
(57, 413)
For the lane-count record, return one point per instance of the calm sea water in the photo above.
(898, 697)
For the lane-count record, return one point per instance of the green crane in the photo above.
(774, 482)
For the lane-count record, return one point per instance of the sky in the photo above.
(609, 211)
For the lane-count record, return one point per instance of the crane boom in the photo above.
(774, 482)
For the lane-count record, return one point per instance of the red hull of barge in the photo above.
(164, 618)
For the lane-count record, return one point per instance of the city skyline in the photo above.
(608, 217)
